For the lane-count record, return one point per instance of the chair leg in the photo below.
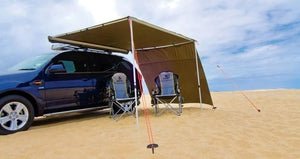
(179, 105)
(168, 106)
(127, 109)
(156, 109)
(111, 112)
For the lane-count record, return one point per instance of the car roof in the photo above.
(93, 53)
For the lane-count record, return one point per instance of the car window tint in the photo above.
(103, 63)
(73, 62)
(69, 66)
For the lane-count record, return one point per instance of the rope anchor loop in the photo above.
(152, 146)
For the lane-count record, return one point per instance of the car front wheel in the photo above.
(16, 114)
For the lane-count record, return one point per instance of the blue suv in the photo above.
(58, 82)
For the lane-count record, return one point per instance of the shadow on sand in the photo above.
(89, 115)
(70, 117)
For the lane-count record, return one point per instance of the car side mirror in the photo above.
(57, 68)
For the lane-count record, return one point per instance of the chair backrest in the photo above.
(120, 85)
(167, 83)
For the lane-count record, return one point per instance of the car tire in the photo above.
(16, 114)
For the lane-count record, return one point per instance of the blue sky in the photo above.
(257, 43)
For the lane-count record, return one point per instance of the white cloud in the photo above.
(101, 10)
(17, 9)
(171, 4)
(25, 26)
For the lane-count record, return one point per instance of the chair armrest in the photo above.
(132, 94)
(110, 92)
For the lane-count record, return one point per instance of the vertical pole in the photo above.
(198, 77)
(134, 74)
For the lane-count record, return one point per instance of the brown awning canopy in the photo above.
(157, 50)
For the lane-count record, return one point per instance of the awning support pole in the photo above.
(198, 77)
(134, 74)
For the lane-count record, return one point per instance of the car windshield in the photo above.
(33, 63)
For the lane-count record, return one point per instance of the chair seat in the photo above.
(166, 96)
(125, 99)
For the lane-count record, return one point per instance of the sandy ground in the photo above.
(233, 130)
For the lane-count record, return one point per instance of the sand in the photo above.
(233, 130)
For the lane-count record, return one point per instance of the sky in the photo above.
(257, 43)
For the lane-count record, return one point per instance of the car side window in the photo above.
(73, 62)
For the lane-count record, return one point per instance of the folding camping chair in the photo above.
(167, 90)
(122, 101)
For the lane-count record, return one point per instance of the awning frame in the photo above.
(184, 40)
(122, 50)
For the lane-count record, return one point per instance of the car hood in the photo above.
(17, 76)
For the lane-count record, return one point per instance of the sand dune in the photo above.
(233, 130)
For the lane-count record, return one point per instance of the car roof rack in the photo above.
(68, 47)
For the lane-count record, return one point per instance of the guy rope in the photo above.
(235, 85)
